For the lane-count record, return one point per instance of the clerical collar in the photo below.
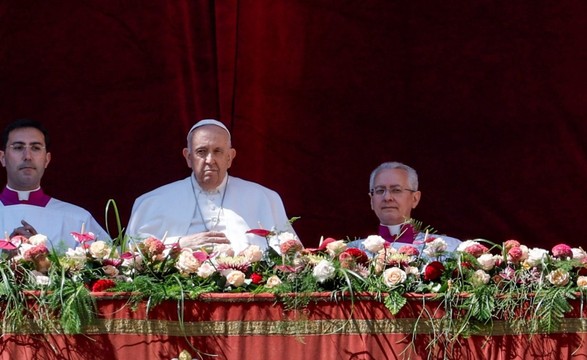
(218, 190)
(394, 229)
(33, 197)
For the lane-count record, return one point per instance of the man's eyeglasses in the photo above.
(19, 148)
(394, 191)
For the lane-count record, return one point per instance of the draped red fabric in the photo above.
(484, 99)
(245, 326)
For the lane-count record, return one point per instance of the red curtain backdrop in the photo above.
(486, 100)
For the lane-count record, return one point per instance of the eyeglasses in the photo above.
(394, 191)
(19, 148)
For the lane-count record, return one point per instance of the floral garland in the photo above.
(540, 281)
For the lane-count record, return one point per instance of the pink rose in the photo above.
(562, 251)
(291, 246)
(154, 246)
(476, 250)
(510, 244)
(515, 254)
(408, 250)
(37, 252)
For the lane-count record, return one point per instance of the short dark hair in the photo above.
(24, 123)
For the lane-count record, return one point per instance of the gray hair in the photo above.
(412, 174)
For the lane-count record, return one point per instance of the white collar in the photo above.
(395, 229)
(23, 194)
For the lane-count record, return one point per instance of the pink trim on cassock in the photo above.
(36, 198)
(407, 235)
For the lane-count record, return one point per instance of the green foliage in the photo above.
(551, 304)
(394, 302)
(480, 303)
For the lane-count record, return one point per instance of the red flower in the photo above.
(260, 232)
(433, 271)
(464, 265)
(103, 285)
(351, 257)
(359, 256)
(256, 278)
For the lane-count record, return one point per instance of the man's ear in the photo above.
(2, 158)
(231, 156)
(186, 155)
(416, 199)
(47, 159)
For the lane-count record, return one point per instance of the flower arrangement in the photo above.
(481, 281)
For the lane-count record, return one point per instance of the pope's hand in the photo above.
(198, 240)
(25, 230)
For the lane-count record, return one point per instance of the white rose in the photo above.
(235, 278)
(77, 253)
(394, 276)
(374, 243)
(582, 282)
(99, 249)
(38, 239)
(486, 261)
(323, 271)
(285, 236)
(223, 250)
(253, 253)
(412, 270)
(273, 281)
(206, 270)
(525, 252)
(186, 262)
(435, 247)
(336, 247)
(536, 256)
(479, 278)
(558, 277)
(579, 254)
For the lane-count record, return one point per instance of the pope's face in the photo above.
(392, 198)
(25, 158)
(210, 155)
